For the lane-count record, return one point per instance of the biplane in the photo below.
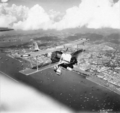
(41, 56)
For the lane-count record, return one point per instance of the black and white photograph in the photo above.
(59, 56)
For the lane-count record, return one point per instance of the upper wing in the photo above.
(72, 43)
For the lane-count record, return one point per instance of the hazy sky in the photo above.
(57, 5)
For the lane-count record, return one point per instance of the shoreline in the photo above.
(70, 89)
(91, 78)
(107, 85)
(98, 81)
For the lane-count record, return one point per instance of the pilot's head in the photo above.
(59, 54)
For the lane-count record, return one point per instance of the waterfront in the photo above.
(69, 89)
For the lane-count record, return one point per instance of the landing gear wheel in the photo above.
(58, 70)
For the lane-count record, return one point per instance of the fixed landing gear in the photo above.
(58, 70)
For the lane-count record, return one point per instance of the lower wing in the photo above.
(30, 71)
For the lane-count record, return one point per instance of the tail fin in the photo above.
(36, 48)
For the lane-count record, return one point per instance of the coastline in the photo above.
(90, 77)
(70, 89)
(103, 83)
(96, 80)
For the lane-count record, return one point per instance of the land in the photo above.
(101, 58)
(103, 62)
(3, 29)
